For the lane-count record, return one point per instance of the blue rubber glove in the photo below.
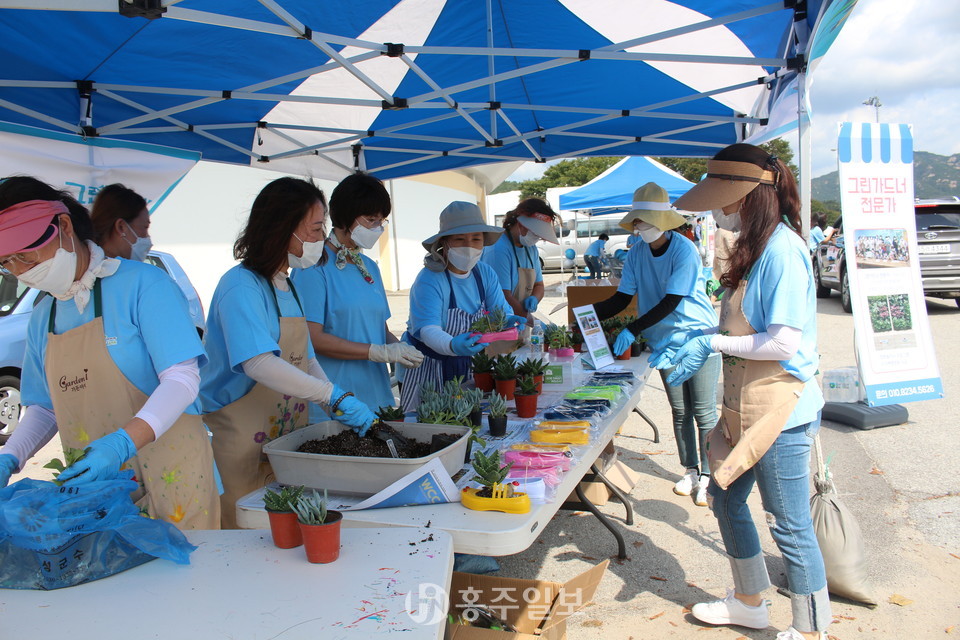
(661, 356)
(8, 466)
(624, 339)
(531, 303)
(465, 344)
(355, 415)
(515, 321)
(102, 459)
(688, 360)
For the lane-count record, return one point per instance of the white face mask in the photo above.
(529, 239)
(311, 253)
(140, 248)
(365, 238)
(55, 276)
(727, 222)
(636, 232)
(649, 233)
(463, 258)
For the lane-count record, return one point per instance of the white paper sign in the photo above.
(593, 338)
(893, 340)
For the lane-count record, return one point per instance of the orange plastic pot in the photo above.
(625, 355)
(506, 387)
(285, 529)
(526, 405)
(577, 348)
(322, 541)
(483, 381)
(539, 381)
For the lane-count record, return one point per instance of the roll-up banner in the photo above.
(879, 235)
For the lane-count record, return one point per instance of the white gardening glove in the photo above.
(395, 352)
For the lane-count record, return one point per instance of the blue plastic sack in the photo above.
(53, 537)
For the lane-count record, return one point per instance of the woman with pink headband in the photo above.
(112, 361)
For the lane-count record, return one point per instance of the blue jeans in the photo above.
(782, 475)
(695, 398)
(593, 263)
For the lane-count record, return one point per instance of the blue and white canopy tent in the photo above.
(612, 191)
(403, 87)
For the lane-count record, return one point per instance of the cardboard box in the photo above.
(619, 474)
(582, 295)
(539, 609)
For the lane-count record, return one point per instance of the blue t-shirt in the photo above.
(780, 290)
(506, 259)
(146, 323)
(595, 248)
(676, 272)
(816, 237)
(430, 296)
(242, 323)
(633, 239)
(351, 308)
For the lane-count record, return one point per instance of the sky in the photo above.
(905, 52)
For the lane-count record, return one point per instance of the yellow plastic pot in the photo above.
(560, 436)
(517, 503)
(529, 446)
(562, 424)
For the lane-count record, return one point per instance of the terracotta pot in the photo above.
(565, 352)
(625, 355)
(322, 541)
(527, 406)
(285, 529)
(498, 426)
(539, 381)
(483, 381)
(577, 348)
(506, 387)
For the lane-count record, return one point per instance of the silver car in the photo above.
(577, 234)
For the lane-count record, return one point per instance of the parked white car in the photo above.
(577, 234)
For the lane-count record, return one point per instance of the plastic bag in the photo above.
(840, 539)
(53, 537)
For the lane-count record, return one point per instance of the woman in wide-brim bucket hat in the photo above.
(771, 400)
(451, 292)
(663, 271)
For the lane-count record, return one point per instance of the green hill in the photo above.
(934, 176)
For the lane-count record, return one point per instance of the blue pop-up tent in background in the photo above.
(613, 189)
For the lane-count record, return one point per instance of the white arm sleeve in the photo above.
(283, 377)
(778, 342)
(314, 369)
(437, 339)
(36, 428)
(179, 386)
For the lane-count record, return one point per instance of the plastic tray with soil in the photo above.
(374, 444)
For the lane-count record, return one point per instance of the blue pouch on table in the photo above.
(53, 537)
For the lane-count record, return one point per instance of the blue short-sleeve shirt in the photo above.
(505, 258)
(677, 272)
(430, 296)
(147, 327)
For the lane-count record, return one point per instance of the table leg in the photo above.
(592, 508)
(656, 432)
(615, 491)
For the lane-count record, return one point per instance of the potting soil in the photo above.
(348, 443)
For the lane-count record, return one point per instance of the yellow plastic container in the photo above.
(517, 503)
(529, 446)
(560, 436)
(562, 424)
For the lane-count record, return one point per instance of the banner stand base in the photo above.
(862, 416)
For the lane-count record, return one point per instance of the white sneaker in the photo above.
(793, 634)
(687, 483)
(732, 611)
(701, 498)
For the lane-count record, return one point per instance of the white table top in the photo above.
(487, 532)
(239, 585)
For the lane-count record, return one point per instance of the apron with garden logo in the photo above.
(241, 428)
(437, 368)
(758, 398)
(92, 398)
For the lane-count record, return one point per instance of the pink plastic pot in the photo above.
(509, 334)
(565, 352)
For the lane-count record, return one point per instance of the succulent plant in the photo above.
(312, 509)
(482, 363)
(488, 468)
(497, 406)
(490, 322)
(474, 397)
(284, 500)
(526, 386)
(388, 414)
(531, 367)
(505, 367)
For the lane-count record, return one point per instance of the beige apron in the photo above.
(526, 279)
(758, 398)
(241, 428)
(92, 398)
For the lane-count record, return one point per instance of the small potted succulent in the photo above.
(491, 327)
(391, 414)
(535, 368)
(320, 528)
(497, 416)
(483, 371)
(505, 375)
(561, 343)
(474, 398)
(611, 329)
(526, 397)
(576, 337)
(636, 349)
(495, 495)
(283, 520)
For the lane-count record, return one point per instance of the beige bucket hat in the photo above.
(651, 204)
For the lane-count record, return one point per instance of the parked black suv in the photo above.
(938, 240)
